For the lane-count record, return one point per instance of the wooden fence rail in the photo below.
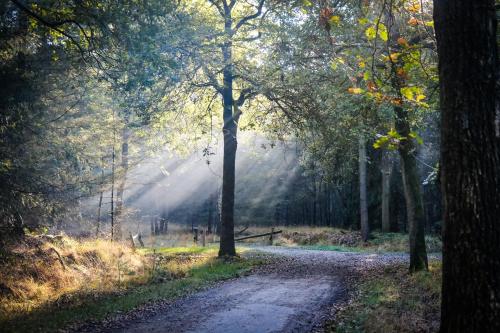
(255, 236)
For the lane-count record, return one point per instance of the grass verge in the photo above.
(392, 300)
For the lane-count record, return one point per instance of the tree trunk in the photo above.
(413, 193)
(470, 164)
(101, 194)
(229, 130)
(210, 213)
(407, 150)
(386, 190)
(363, 202)
(112, 208)
(98, 226)
(123, 179)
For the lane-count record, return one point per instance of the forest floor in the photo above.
(314, 281)
(299, 291)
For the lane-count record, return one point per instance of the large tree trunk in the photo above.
(470, 160)
(363, 202)
(229, 130)
(386, 190)
(121, 184)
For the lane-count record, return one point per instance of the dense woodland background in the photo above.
(124, 117)
(98, 93)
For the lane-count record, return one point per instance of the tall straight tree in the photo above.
(470, 158)
(363, 202)
(237, 21)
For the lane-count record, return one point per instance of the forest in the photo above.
(249, 166)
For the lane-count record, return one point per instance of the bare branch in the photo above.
(244, 95)
(249, 17)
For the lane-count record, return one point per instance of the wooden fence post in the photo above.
(195, 236)
(271, 237)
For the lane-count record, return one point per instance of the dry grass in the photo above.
(321, 238)
(41, 271)
(97, 278)
(326, 238)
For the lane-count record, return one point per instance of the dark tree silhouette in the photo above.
(470, 159)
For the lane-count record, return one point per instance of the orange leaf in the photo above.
(397, 101)
(371, 86)
(414, 22)
(355, 91)
(402, 73)
(402, 42)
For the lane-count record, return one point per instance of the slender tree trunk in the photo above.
(98, 226)
(470, 164)
(386, 190)
(413, 193)
(407, 151)
(210, 213)
(229, 130)
(363, 202)
(123, 179)
(112, 208)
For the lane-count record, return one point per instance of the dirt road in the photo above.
(292, 295)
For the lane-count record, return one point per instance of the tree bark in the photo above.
(227, 247)
(386, 190)
(112, 208)
(470, 164)
(363, 202)
(407, 150)
(98, 226)
(413, 193)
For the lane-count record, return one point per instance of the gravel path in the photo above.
(293, 294)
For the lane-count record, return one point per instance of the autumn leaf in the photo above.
(413, 7)
(401, 73)
(394, 56)
(420, 97)
(370, 33)
(371, 86)
(414, 22)
(397, 101)
(382, 32)
(403, 42)
(334, 20)
(418, 138)
(363, 21)
(355, 91)
(407, 92)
